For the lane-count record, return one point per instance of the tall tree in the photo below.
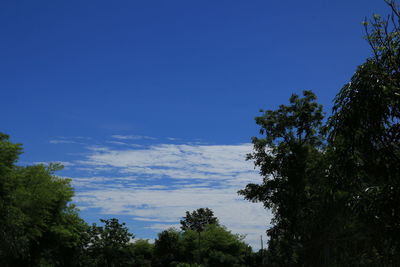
(335, 201)
(198, 219)
(289, 157)
(365, 144)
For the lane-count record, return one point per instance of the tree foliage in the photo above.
(334, 187)
(198, 219)
(37, 221)
(109, 245)
(219, 247)
(290, 158)
(143, 253)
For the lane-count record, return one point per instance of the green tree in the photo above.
(219, 247)
(13, 243)
(168, 248)
(365, 146)
(335, 201)
(109, 245)
(198, 219)
(143, 253)
(36, 217)
(290, 161)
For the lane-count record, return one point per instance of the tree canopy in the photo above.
(198, 219)
(333, 184)
(37, 221)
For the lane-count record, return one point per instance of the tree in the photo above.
(290, 161)
(13, 244)
(36, 217)
(335, 200)
(219, 247)
(109, 245)
(198, 219)
(143, 253)
(168, 248)
(365, 145)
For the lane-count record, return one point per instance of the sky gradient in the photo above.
(150, 105)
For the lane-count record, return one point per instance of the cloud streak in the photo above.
(132, 137)
(157, 184)
(219, 162)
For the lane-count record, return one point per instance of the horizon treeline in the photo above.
(40, 227)
(331, 182)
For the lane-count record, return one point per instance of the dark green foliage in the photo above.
(13, 244)
(168, 248)
(218, 247)
(198, 220)
(290, 157)
(336, 201)
(37, 223)
(365, 146)
(205, 241)
(143, 253)
(109, 245)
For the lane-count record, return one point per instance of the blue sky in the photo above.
(150, 104)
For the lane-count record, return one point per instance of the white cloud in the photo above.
(145, 219)
(62, 142)
(162, 226)
(173, 138)
(159, 183)
(221, 162)
(123, 144)
(170, 205)
(132, 137)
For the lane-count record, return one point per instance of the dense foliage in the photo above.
(198, 220)
(218, 247)
(38, 226)
(334, 185)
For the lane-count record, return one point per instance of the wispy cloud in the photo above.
(61, 141)
(172, 138)
(70, 140)
(144, 219)
(157, 184)
(162, 226)
(163, 206)
(132, 137)
(123, 144)
(220, 162)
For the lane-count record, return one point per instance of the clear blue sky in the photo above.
(104, 84)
